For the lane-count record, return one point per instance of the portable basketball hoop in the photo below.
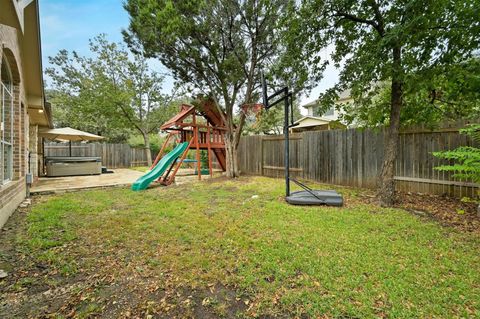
(307, 196)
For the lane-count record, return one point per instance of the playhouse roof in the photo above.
(207, 110)
(185, 110)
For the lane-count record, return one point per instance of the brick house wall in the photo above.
(13, 192)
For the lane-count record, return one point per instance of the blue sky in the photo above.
(69, 24)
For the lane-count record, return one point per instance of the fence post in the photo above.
(261, 155)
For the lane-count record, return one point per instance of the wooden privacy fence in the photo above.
(354, 157)
(113, 155)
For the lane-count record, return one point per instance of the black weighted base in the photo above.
(321, 197)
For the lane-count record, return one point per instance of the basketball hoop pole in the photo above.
(286, 130)
(285, 96)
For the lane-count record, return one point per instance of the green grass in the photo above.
(357, 261)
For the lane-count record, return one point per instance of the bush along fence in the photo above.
(113, 155)
(353, 157)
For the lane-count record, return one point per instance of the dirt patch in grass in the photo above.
(446, 210)
(35, 288)
(31, 288)
(224, 179)
(219, 179)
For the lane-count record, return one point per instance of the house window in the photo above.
(329, 112)
(6, 125)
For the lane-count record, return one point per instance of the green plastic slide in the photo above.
(160, 168)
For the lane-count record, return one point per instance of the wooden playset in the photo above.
(203, 128)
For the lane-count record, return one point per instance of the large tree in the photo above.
(215, 47)
(75, 111)
(447, 93)
(378, 43)
(111, 89)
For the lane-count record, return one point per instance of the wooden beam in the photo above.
(64, 146)
(179, 163)
(160, 153)
(197, 146)
(427, 131)
(282, 168)
(280, 138)
(209, 150)
(434, 181)
(197, 125)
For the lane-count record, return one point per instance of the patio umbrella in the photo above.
(69, 134)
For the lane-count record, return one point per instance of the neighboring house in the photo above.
(312, 123)
(317, 121)
(22, 101)
(313, 111)
(332, 114)
(344, 97)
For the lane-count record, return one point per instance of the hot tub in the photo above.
(73, 166)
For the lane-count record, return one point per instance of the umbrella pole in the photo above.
(70, 148)
(43, 157)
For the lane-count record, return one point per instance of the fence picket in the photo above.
(354, 158)
(113, 155)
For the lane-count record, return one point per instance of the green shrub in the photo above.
(466, 159)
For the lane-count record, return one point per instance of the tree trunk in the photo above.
(386, 193)
(231, 155)
(146, 142)
(230, 138)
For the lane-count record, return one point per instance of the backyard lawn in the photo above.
(213, 249)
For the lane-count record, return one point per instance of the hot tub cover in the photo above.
(60, 159)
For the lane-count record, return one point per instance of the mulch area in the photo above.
(446, 210)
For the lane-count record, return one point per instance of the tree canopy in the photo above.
(214, 47)
(451, 93)
(269, 121)
(111, 93)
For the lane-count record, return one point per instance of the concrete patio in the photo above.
(120, 177)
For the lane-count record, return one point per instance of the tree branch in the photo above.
(378, 17)
(354, 18)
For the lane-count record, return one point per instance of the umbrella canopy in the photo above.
(69, 134)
